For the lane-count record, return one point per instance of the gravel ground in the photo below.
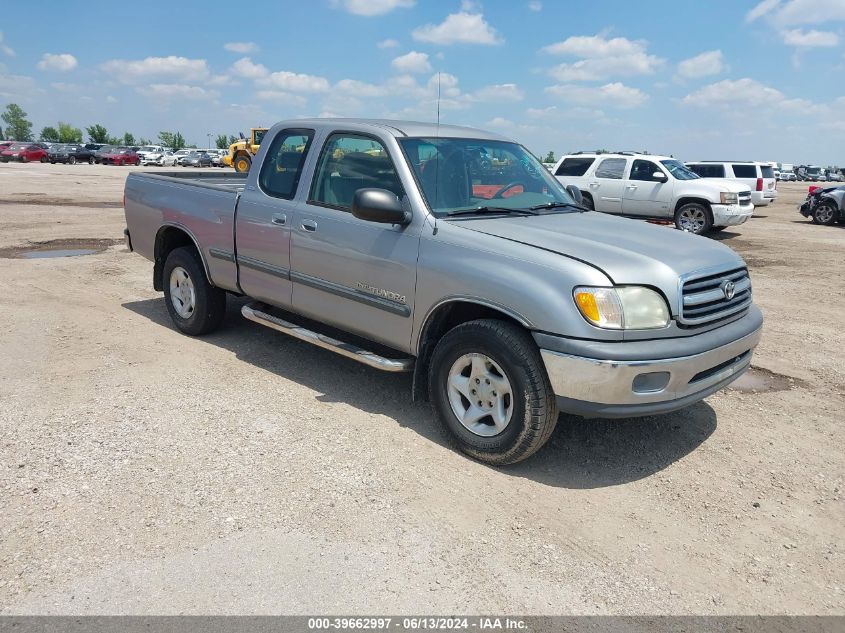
(143, 471)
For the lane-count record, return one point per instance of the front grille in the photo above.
(704, 300)
(744, 198)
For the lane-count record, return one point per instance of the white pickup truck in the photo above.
(650, 186)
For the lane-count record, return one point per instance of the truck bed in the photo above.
(201, 205)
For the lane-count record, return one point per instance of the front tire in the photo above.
(587, 201)
(242, 164)
(825, 214)
(72, 160)
(195, 306)
(490, 391)
(693, 217)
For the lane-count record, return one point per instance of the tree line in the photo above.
(19, 128)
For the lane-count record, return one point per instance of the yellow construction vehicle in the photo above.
(241, 152)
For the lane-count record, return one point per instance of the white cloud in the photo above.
(6, 50)
(62, 62)
(242, 48)
(459, 28)
(360, 88)
(388, 43)
(500, 122)
(245, 67)
(702, 65)
(793, 12)
(612, 95)
(730, 93)
(535, 5)
(540, 113)
(498, 93)
(412, 62)
(111, 99)
(294, 82)
(16, 86)
(809, 39)
(602, 58)
(762, 9)
(373, 7)
(172, 67)
(176, 91)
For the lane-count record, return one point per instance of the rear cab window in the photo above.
(576, 166)
(283, 164)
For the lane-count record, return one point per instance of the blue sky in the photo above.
(732, 79)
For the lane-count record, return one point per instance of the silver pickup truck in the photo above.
(451, 253)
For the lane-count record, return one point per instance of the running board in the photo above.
(255, 312)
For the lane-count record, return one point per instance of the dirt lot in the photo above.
(142, 471)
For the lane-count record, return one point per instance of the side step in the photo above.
(257, 312)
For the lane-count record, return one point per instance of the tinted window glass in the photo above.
(745, 171)
(611, 168)
(350, 162)
(574, 166)
(283, 164)
(643, 170)
(708, 171)
(767, 171)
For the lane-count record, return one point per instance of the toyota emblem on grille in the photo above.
(729, 288)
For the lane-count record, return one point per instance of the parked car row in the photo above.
(99, 153)
(824, 205)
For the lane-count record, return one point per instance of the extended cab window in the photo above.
(745, 171)
(350, 162)
(611, 168)
(644, 170)
(574, 166)
(283, 164)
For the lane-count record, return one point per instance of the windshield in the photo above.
(458, 173)
(679, 170)
(18, 146)
(148, 148)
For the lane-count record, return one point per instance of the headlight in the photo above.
(729, 197)
(623, 308)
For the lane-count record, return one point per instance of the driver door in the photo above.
(645, 195)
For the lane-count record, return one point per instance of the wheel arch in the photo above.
(693, 199)
(171, 236)
(442, 317)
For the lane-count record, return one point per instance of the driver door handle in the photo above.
(309, 225)
(594, 185)
(632, 186)
(279, 219)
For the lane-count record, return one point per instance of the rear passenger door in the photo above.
(357, 275)
(265, 216)
(605, 186)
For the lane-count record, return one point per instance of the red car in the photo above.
(25, 153)
(120, 156)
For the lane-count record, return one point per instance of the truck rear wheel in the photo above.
(195, 306)
(490, 391)
(825, 213)
(242, 164)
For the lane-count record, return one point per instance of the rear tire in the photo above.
(195, 306)
(44, 159)
(72, 160)
(694, 218)
(825, 214)
(498, 363)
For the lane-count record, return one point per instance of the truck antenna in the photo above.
(437, 149)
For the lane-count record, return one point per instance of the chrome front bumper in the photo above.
(613, 388)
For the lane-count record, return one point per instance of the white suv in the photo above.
(760, 177)
(649, 186)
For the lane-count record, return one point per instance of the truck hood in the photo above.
(627, 251)
(714, 186)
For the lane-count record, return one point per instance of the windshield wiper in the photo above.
(556, 205)
(482, 210)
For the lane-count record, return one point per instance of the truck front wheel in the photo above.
(195, 306)
(693, 217)
(490, 391)
(242, 164)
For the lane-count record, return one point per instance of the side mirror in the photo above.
(379, 205)
(575, 192)
(660, 176)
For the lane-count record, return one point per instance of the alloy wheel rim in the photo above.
(480, 394)
(691, 220)
(183, 295)
(824, 213)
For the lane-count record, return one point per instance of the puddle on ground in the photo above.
(758, 380)
(58, 248)
(59, 252)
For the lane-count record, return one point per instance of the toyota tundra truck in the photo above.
(453, 254)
